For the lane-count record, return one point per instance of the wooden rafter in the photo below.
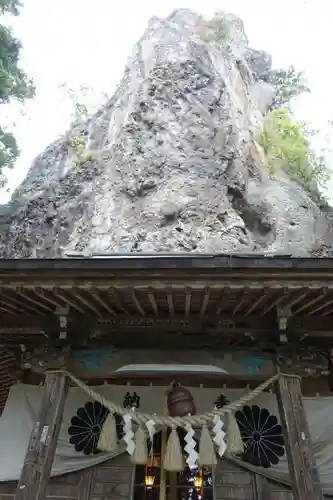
(188, 298)
(77, 294)
(281, 297)
(46, 296)
(17, 304)
(152, 299)
(99, 301)
(170, 302)
(242, 298)
(96, 294)
(205, 301)
(257, 302)
(23, 293)
(9, 308)
(329, 311)
(220, 304)
(312, 302)
(137, 302)
(58, 292)
(298, 298)
(113, 295)
(320, 308)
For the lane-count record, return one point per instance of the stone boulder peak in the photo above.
(169, 164)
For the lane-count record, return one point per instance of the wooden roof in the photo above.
(25, 281)
(32, 292)
(138, 301)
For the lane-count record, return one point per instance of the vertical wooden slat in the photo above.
(260, 487)
(84, 489)
(302, 467)
(40, 454)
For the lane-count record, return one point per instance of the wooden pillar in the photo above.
(302, 467)
(43, 441)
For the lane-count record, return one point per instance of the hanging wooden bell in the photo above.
(180, 402)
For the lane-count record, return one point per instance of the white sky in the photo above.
(85, 42)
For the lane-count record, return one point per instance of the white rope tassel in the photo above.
(129, 434)
(192, 457)
(219, 435)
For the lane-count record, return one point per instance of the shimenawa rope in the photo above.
(174, 422)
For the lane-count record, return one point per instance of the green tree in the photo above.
(14, 83)
(286, 143)
(288, 83)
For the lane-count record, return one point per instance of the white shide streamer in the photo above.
(219, 435)
(192, 457)
(129, 434)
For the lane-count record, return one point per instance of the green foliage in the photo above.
(288, 83)
(77, 143)
(14, 84)
(81, 112)
(10, 7)
(287, 147)
(8, 152)
(216, 30)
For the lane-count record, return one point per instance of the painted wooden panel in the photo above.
(279, 491)
(234, 493)
(73, 486)
(103, 362)
(112, 480)
(232, 483)
(109, 481)
(7, 490)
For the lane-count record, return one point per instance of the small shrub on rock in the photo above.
(216, 30)
(288, 83)
(286, 143)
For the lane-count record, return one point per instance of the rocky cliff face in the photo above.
(170, 163)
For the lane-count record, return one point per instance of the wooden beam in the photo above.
(252, 323)
(302, 467)
(43, 441)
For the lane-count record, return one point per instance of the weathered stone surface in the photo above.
(262, 94)
(170, 163)
(260, 63)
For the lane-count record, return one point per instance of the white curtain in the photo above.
(259, 423)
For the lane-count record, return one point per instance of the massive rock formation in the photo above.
(170, 163)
